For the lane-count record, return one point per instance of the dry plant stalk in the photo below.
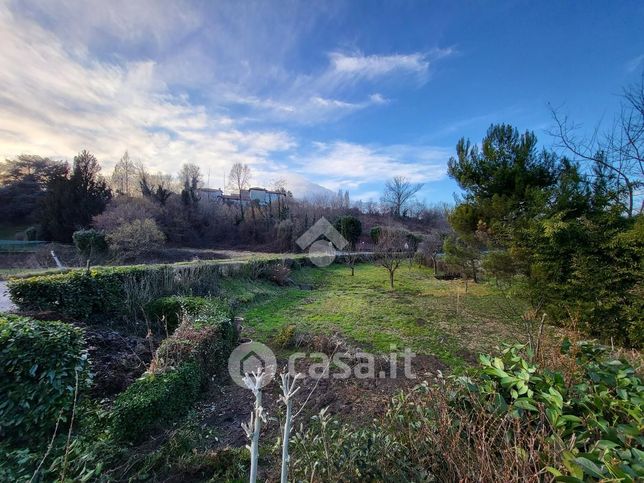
(254, 382)
(288, 391)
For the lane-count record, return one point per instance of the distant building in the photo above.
(261, 196)
(210, 194)
(264, 196)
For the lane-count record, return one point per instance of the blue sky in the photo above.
(344, 94)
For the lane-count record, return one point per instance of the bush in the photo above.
(207, 339)
(78, 294)
(39, 362)
(89, 242)
(136, 238)
(508, 421)
(153, 400)
(350, 228)
(278, 273)
(374, 233)
(184, 363)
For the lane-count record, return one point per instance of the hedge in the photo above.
(123, 292)
(110, 291)
(154, 399)
(39, 362)
(183, 365)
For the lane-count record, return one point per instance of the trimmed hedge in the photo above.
(184, 363)
(38, 366)
(122, 292)
(155, 399)
(110, 291)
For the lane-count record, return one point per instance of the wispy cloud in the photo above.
(343, 164)
(56, 101)
(635, 63)
(140, 82)
(372, 66)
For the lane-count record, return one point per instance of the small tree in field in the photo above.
(429, 249)
(463, 253)
(351, 229)
(390, 251)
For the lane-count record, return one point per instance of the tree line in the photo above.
(566, 227)
(139, 210)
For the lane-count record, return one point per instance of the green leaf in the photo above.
(525, 403)
(590, 468)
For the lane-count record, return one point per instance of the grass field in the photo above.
(429, 316)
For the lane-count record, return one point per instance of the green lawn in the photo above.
(425, 314)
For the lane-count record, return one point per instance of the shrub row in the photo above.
(184, 363)
(120, 291)
(110, 291)
(39, 366)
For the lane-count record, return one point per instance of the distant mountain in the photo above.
(303, 189)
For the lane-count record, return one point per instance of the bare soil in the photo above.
(117, 359)
(351, 400)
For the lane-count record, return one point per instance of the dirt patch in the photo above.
(351, 400)
(117, 359)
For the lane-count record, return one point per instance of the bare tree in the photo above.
(399, 193)
(430, 247)
(390, 250)
(618, 150)
(124, 175)
(190, 176)
(238, 180)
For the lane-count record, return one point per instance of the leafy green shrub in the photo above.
(350, 228)
(374, 233)
(89, 242)
(155, 399)
(39, 363)
(508, 420)
(600, 415)
(78, 294)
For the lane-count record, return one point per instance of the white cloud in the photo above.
(372, 66)
(57, 99)
(348, 165)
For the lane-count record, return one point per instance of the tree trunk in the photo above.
(474, 271)
(352, 269)
(435, 265)
(391, 278)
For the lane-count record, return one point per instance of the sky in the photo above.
(345, 94)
